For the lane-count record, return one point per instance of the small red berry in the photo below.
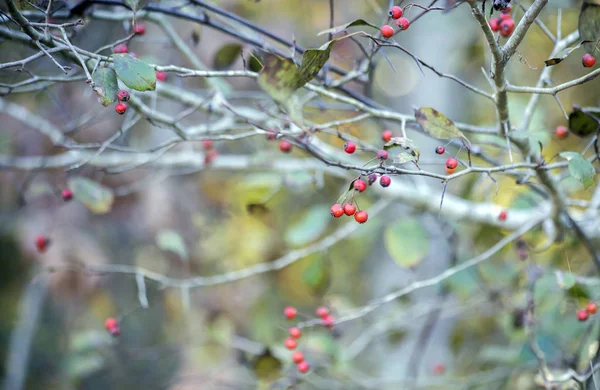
(110, 323)
(450, 170)
(503, 215)
(440, 150)
(385, 181)
(41, 243)
(139, 29)
(361, 216)
(494, 24)
(372, 178)
(121, 48)
(402, 23)
(285, 146)
(322, 311)
(360, 185)
(350, 147)
(396, 12)
(506, 10)
(386, 135)
(588, 60)
(298, 357)
(582, 315)
(439, 369)
(271, 135)
(67, 194)
(387, 31)
(207, 144)
(507, 26)
(123, 96)
(504, 16)
(120, 108)
(295, 332)
(290, 343)
(303, 367)
(161, 76)
(290, 312)
(210, 156)
(337, 210)
(349, 209)
(115, 331)
(328, 321)
(382, 154)
(591, 308)
(451, 163)
(561, 132)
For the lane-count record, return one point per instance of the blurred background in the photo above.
(466, 333)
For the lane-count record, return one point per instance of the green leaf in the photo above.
(97, 198)
(580, 168)
(134, 73)
(565, 280)
(266, 366)
(254, 63)
(407, 242)
(410, 151)
(589, 25)
(438, 125)
(279, 77)
(171, 241)
(340, 28)
(227, 55)
(105, 85)
(581, 123)
(310, 227)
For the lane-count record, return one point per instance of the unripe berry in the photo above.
(67, 194)
(396, 12)
(561, 132)
(582, 315)
(588, 60)
(360, 185)
(290, 312)
(322, 311)
(328, 321)
(450, 170)
(361, 216)
(285, 146)
(503, 215)
(385, 181)
(372, 178)
(337, 210)
(494, 24)
(303, 367)
(387, 31)
(382, 155)
(349, 209)
(451, 163)
(123, 96)
(120, 48)
(161, 76)
(386, 135)
(110, 323)
(440, 150)
(298, 357)
(402, 23)
(41, 243)
(290, 343)
(207, 144)
(210, 156)
(350, 147)
(295, 332)
(591, 308)
(507, 26)
(120, 108)
(139, 29)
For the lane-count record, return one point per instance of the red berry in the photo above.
(504, 16)
(451, 163)
(561, 132)
(121, 48)
(507, 10)
(67, 194)
(386, 135)
(360, 185)
(349, 209)
(396, 12)
(350, 147)
(123, 96)
(440, 150)
(210, 156)
(328, 321)
(402, 23)
(207, 144)
(110, 323)
(322, 311)
(41, 243)
(285, 146)
(582, 315)
(450, 171)
(591, 308)
(507, 26)
(439, 369)
(588, 60)
(303, 367)
(161, 76)
(382, 154)
(503, 215)
(298, 357)
(387, 31)
(337, 210)
(295, 332)
(139, 29)
(494, 24)
(385, 181)
(290, 312)
(272, 134)
(361, 216)
(115, 331)
(372, 178)
(120, 108)
(290, 343)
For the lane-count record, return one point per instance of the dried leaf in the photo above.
(438, 125)
(409, 153)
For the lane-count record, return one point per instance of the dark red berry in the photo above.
(440, 150)
(123, 96)
(322, 311)
(295, 332)
(396, 12)
(451, 163)
(588, 60)
(120, 108)
(360, 185)
(290, 312)
(210, 156)
(349, 209)
(386, 135)
(290, 343)
(271, 135)
(350, 147)
(582, 315)
(382, 154)
(507, 26)
(328, 321)
(504, 16)
(115, 331)
(372, 178)
(402, 23)
(361, 216)
(503, 215)
(139, 29)
(285, 146)
(110, 323)
(561, 132)
(303, 367)
(337, 210)
(507, 10)
(298, 357)
(592, 308)
(41, 243)
(387, 31)
(121, 48)
(161, 76)
(67, 194)
(207, 144)
(385, 181)
(494, 24)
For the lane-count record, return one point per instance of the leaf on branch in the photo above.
(105, 85)
(407, 242)
(337, 29)
(409, 153)
(227, 55)
(580, 168)
(310, 227)
(171, 241)
(134, 73)
(438, 125)
(564, 54)
(581, 123)
(96, 197)
(267, 366)
(565, 280)
(589, 25)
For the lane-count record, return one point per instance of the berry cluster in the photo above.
(112, 326)
(401, 23)
(503, 23)
(121, 107)
(291, 342)
(590, 309)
